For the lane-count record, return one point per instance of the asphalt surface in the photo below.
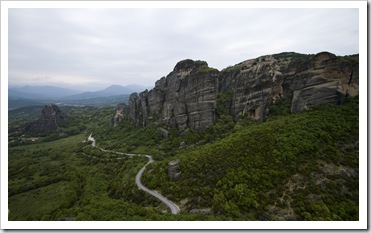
(174, 209)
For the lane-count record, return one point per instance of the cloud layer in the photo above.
(94, 48)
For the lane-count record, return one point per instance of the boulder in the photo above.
(164, 133)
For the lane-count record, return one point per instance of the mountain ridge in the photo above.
(112, 90)
(39, 92)
(194, 94)
(47, 92)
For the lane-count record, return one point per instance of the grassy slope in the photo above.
(302, 167)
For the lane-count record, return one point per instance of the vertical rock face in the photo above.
(49, 120)
(304, 80)
(122, 112)
(328, 81)
(187, 97)
(254, 84)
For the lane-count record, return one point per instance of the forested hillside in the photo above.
(289, 167)
(270, 138)
(295, 167)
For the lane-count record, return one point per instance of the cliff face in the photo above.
(304, 80)
(185, 98)
(50, 118)
(188, 96)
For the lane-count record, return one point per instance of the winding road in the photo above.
(174, 208)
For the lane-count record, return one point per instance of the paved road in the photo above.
(174, 209)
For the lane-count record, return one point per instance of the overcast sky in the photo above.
(90, 49)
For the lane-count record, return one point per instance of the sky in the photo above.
(90, 49)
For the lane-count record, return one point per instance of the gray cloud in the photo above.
(99, 47)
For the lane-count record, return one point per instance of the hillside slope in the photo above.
(294, 167)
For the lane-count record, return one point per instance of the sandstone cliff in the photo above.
(188, 97)
(50, 118)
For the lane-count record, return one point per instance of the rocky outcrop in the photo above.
(122, 112)
(185, 98)
(164, 133)
(304, 80)
(328, 81)
(193, 94)
(174, 172)
(50, 119)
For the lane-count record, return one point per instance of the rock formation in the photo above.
(191, 96)
(164, 133)
(122, 112)
(304, 80)
(185, 98)
(174, 172)
(50, 119)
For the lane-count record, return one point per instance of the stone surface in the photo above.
(174, 168)
(51, 116)
(201, 211)
(187, 97)
(326, 82)
(182, 144)
(122, 112)
(184, 133)
(305, 80)
(164, 133)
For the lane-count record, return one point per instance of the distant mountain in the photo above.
(137, 88)
(39, 95)
(96, 101)
(112, 90)
(19, 95)
(40, 92)
(18, 103)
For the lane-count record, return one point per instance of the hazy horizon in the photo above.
(93, 48)
(86, 88)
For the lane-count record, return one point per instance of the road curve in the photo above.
(174, 209)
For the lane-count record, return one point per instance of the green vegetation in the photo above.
(351, 59)
(189, 63)
(22, 115)
(79, 120)
(290, 59)
(289, 167)
(224, 101)
(301, 166)
(280, 107)
(58, 180)
(232, 70)
(206, 69)
(126, 137)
